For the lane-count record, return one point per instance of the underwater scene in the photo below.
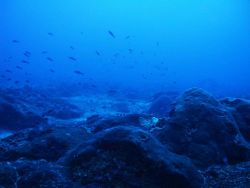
(125, 94)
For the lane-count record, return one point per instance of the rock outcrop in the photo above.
(240, 108)
(130, 157)
(202, 142)
(201, 128)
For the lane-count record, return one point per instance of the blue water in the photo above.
(157, 44)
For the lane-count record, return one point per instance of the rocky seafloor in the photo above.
(193, 140)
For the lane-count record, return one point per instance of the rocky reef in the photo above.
(190, 141)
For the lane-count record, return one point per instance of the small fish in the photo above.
(44, 52)
(78, 72)
(157, 44)
(47, 113)
(111, 34)
(130, 50)
(52, 70)
(127, 37)
(50, 59)
(112, 91)
(9, 71)
(9, 79)
(116, 55)
(27, 54)
(144, 77)
(17, 82)
(72, 47)
(25, 62)
(18, 67)
(2, 76)
(27, 81)
(50, 111)
(50, 34)
(97, 53)
(15, 41)
(72, 58)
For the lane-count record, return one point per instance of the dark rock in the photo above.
(41, 143)
(161, 106)
(121, 107)
(129, 157)
(98, 123)
(228, 176)
(64, 111)
(204, 130)
(240, 108)
(33, 174)
(12, 118)
(171, 94)
(8, 175)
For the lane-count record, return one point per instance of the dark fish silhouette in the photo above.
(50, 59)
(47, 113)
(27, 54)
(112, 91)
(97, 53)
(18, 67)
(25, 62)
(50, 111)
(130, 50)
(72, 58)
(51, 70)
(144, 77)
(111, 34)
(16, 82)
(9, 79)
(50, 34)
(93, 86)
(9, 71)
(2, 76)
(72, 47)
(78, 72)
(116, 55)
(44, 52)
(15, 41)
(127, 37)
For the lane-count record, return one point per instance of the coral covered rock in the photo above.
(204, 130)
(41, 143)
(240, 108)
(129, 157)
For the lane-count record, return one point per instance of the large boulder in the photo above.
(129, 157)
(8, 175)
(63, 110)
(97, 123)
(229, 176)
(32, 174)
(240, 108)
(41, 143)
(161, 106)
(14, 118)
(201, 128)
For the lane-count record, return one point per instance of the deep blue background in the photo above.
(175, 43)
